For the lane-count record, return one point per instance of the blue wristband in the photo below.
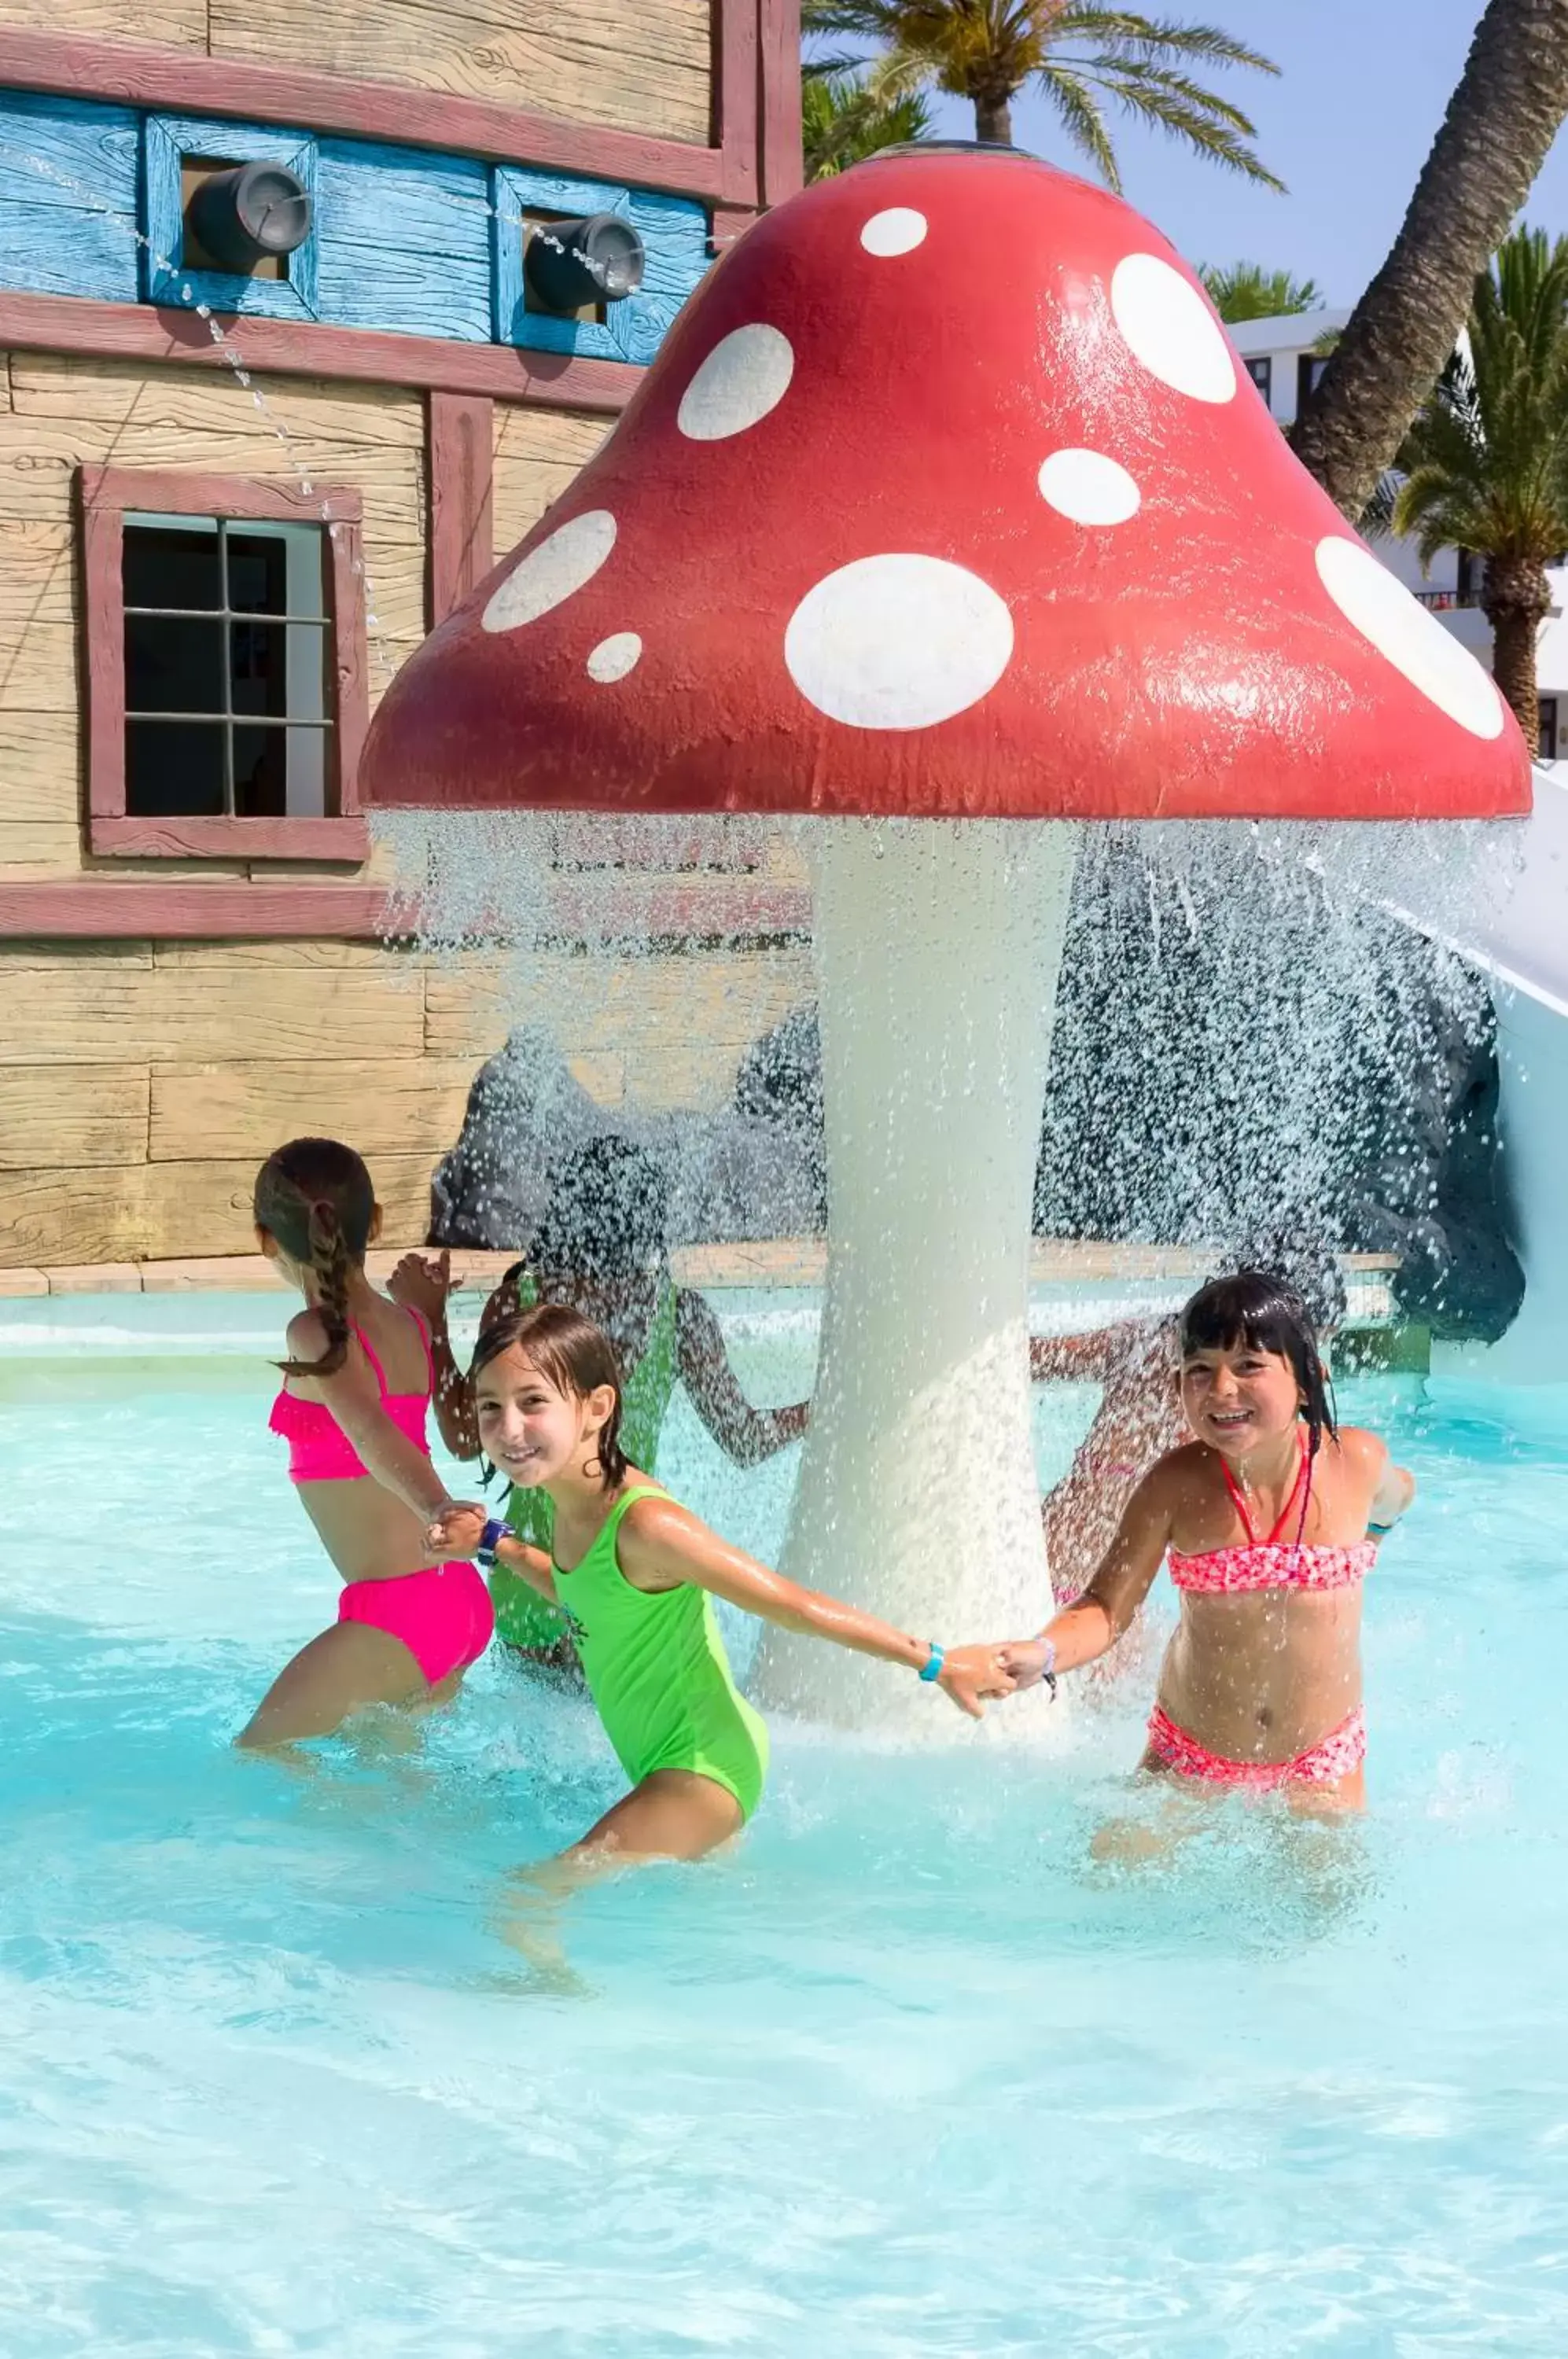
(489, 1539)
(931, 1668)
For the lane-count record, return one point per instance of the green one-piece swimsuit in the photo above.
(656, 1667)
(523, 1618)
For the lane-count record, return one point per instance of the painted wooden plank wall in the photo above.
(644, 65)
(535, 459)
(187, 1062)
(68, 198)
(172, 24)
(622, 62)
(404, 240)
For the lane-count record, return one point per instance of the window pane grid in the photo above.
(267, 629)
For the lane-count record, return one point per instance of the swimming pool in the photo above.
(909, 2074)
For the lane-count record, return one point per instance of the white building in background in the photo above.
(1283, 363)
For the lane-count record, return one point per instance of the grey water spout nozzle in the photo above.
(251, 214)
(598, 259)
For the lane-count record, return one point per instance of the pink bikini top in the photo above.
(319, 1449)
(1273, 1563)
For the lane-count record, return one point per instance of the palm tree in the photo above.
(1082, 56)
(1504, 115)
(843, 121)
(1244, 290)
(1484, 466)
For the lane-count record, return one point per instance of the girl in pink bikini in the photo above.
(357, 1391)
(1270, 1517)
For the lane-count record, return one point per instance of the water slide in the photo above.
(1520, 936)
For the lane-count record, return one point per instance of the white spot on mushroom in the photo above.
(899, 230)
(898, 642)
(746, 374)
(553, 571)
(1170, 329)
(1089, 487)
(1413, 641)
(615, 657)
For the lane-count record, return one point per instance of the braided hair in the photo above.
(316, 1197)
(577, 1357)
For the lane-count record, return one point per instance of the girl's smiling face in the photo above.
(1236, 1397)
(528, 1427)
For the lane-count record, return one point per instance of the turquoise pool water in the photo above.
(910, 2074)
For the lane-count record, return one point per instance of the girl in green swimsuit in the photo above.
(637, 1575)
(600, 1247)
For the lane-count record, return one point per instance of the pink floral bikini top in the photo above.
(1276, 1562)
(319, 1449)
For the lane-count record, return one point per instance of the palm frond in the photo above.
(842, 123)
(1244, 290)
(1376, 521)
(1081, 120)
(1485, 464)
(1152, 37)
(1142, 73)
(1153, 95)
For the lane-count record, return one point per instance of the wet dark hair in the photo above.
(1298, 1249)
(608, 1213)
(315, 1197)
(1261, 1308)
(575, 1355)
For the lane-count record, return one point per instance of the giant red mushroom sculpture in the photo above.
(946, 507)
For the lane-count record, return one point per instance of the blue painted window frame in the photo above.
(673, 229)
(165, 139)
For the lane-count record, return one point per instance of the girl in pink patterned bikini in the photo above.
(1270, 1517)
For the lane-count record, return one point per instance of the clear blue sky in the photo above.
(1347, 126)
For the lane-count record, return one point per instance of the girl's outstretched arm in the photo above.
(1091, 1625)
(745, 1433)
(423, 1285)
(354, 1399)
(1396, 1489)
(1077, 1359)
(662, 1545)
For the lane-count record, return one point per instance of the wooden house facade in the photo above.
(234, 494)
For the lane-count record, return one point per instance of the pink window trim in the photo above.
(106, 494)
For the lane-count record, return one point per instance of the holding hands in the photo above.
(971, 1675)
(1026, 1661)
(453, 1534)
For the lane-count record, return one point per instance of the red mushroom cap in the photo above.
(947, 497)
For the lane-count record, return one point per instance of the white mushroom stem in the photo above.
(937, 947)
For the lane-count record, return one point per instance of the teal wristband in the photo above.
(931, 1668)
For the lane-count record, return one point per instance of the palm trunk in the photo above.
(1516, 601)
(994, 120)
(1511, 98)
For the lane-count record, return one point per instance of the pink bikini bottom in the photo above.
(443, 1615)
(1337, 1754)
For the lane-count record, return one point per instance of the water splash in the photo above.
(1246, 1022)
